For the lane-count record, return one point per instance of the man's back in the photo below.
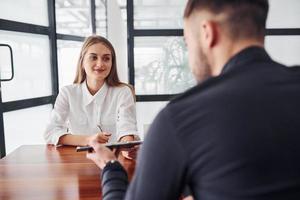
(235, 136)
(243, 130)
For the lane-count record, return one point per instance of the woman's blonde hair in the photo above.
(112, 79)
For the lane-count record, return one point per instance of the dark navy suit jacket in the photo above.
(234, 136)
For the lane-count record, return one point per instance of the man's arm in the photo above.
(114, 177)
(160, 169)
(114, 181)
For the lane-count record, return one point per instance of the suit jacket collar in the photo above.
(247, 55)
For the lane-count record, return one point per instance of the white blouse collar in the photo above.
(98, 97)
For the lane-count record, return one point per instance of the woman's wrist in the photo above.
(87, 140)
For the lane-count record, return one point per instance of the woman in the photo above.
(97, 106)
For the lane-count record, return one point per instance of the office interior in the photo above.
(46, 37)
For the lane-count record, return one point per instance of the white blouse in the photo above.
(76, 111)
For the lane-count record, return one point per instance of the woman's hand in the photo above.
(101, 137)
(130, 153)
(101, 154)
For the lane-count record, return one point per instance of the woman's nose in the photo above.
(99, 63)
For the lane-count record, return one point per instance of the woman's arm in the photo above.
(83, 140)
(57, 126)
(76, 140)
(126, 122)
(132, 152)
(57, 130)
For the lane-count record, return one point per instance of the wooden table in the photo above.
(49, 172)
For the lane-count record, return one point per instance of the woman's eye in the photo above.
(93, 57)
(106, 59)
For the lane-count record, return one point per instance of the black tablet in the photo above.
(124, 145)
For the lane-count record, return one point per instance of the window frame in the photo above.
(132, 33)
(50, 31)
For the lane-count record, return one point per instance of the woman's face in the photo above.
(97, 62)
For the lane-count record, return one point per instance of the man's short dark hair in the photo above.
(246, 18)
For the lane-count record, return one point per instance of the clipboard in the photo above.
(125, 145)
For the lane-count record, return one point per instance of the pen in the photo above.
(100, 128)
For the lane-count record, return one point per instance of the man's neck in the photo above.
(223, 55)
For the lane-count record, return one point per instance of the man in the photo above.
(236, 134)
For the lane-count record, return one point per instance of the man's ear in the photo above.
(208, 33)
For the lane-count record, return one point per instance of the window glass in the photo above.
(168, 14)
(101, 23)
(73, 17)
(67, 56)
(25, 126)
(161, 66)
(284, 49)
(284, 14)
(157, 14)
(36, 11)
(31, 56)
(123, 8)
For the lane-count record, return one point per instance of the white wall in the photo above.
(117, 35)
(146, 112)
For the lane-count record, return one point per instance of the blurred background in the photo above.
(46, 36)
